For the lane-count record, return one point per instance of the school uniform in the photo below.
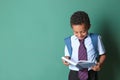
(91, 55)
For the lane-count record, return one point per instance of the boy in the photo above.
(80, 25)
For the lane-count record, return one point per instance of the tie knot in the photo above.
(81, 41)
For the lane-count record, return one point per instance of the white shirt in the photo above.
(91, 55)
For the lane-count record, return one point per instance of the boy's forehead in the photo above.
(80, 25)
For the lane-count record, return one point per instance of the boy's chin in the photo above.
(81, 38)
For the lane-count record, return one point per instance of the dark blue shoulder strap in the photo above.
(94, 38)
(68, 44)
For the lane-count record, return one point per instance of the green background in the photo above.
(32, 33)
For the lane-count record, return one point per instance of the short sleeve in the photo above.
(66, 51)
(101, 48)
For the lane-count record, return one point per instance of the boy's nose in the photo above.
(79, 34)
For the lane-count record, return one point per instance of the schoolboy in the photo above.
(80, 24)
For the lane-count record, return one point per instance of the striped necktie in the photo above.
(82, 55)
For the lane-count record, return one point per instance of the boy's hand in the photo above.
(97, 67)
(64, 62)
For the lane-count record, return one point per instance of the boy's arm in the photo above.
(99, 64)
(102, 59)
(66, 56)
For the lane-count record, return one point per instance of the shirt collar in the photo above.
(75, 38)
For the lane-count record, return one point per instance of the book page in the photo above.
(84, 61)
(69, 61)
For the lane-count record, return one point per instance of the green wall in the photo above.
(32, 33)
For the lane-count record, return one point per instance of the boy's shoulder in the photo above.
(94, 34)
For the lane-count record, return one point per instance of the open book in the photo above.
(81, 64)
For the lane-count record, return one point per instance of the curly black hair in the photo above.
(80, 17)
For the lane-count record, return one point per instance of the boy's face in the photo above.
(80, 31)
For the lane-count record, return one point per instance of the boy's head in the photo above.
(80, 17)
(80, 24)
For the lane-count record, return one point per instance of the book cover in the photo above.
(81, 64)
